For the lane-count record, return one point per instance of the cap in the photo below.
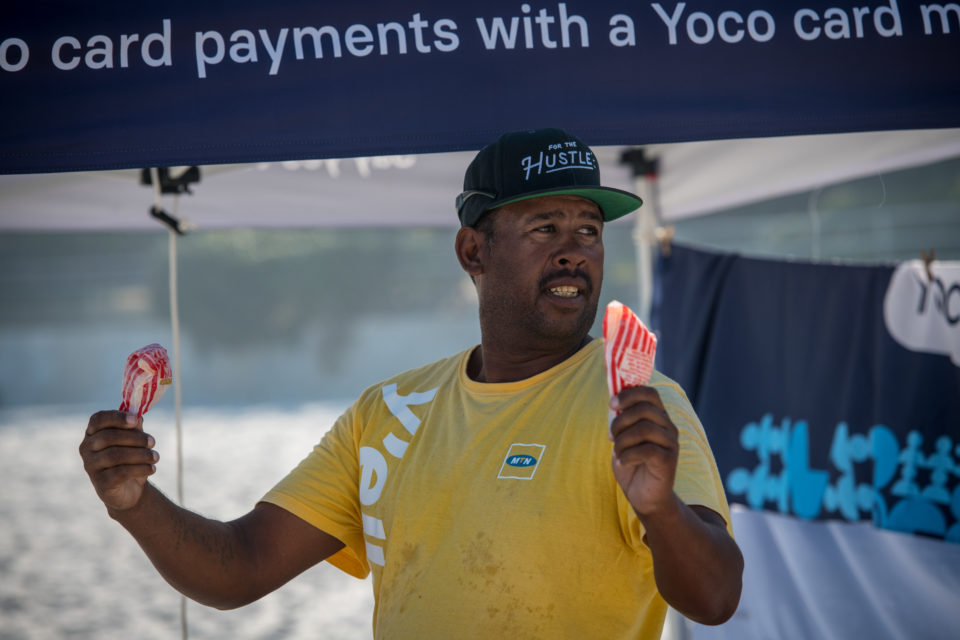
(530, 164)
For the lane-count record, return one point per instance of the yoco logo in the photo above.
(946, 299)
(558, 157)
(922, 309)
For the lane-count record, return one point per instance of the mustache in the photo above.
(567, 273)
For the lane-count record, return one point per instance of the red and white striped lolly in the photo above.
(629, 348)
(145, 378)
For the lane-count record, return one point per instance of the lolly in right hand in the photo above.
(629, 348)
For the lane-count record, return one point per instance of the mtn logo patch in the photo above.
(521, 461)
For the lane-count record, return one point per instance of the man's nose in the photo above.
(571, 252)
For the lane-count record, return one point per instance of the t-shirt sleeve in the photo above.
(323, 490)
(697, 480)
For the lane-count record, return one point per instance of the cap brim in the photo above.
(614, 203)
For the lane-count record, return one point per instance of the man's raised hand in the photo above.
(118, 456)
(645, 449)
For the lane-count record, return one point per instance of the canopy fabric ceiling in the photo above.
(695, 178)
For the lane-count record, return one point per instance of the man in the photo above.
(488, 492)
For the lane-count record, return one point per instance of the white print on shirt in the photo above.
(373, 464)
(521, 461)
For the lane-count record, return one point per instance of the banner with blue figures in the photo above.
(907, 486)
(827, 391)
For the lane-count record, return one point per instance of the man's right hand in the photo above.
(220, 564)
(118, 456)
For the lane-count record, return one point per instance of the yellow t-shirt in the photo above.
(489, 509)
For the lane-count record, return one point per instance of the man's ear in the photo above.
(469, 245)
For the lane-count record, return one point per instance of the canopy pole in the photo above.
(647, 220)
(173, 231)
(813, 211)
(175, 326)
(648, 232)
(644, 239)
(177, 394)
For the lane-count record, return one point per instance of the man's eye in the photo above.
(590, 231)
(547, 228)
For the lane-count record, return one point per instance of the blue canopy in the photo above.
(119, 85)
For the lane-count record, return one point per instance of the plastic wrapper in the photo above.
(146, 377)
(629, 348)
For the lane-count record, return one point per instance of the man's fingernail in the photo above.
(150, 442)
(131, 419)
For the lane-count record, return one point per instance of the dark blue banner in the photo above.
(127, 84)
(827, 391)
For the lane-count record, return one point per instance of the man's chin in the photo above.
(571, 328)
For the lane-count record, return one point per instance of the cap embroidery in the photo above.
(557, 161)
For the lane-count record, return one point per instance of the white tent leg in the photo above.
(644, 241)
(675, 627)
(177, 394)
(175, 325)
(813, 212)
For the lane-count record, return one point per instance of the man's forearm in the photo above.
(697, 566)
(206, 560)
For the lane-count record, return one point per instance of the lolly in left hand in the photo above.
(145, 378)
(629, 348)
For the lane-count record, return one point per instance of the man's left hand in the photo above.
(645, 449)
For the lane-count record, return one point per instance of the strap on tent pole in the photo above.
(175, 228)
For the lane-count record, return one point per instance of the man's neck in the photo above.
(489, 363)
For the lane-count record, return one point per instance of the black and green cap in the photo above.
(530, 164)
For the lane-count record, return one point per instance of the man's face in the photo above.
(542, 271)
